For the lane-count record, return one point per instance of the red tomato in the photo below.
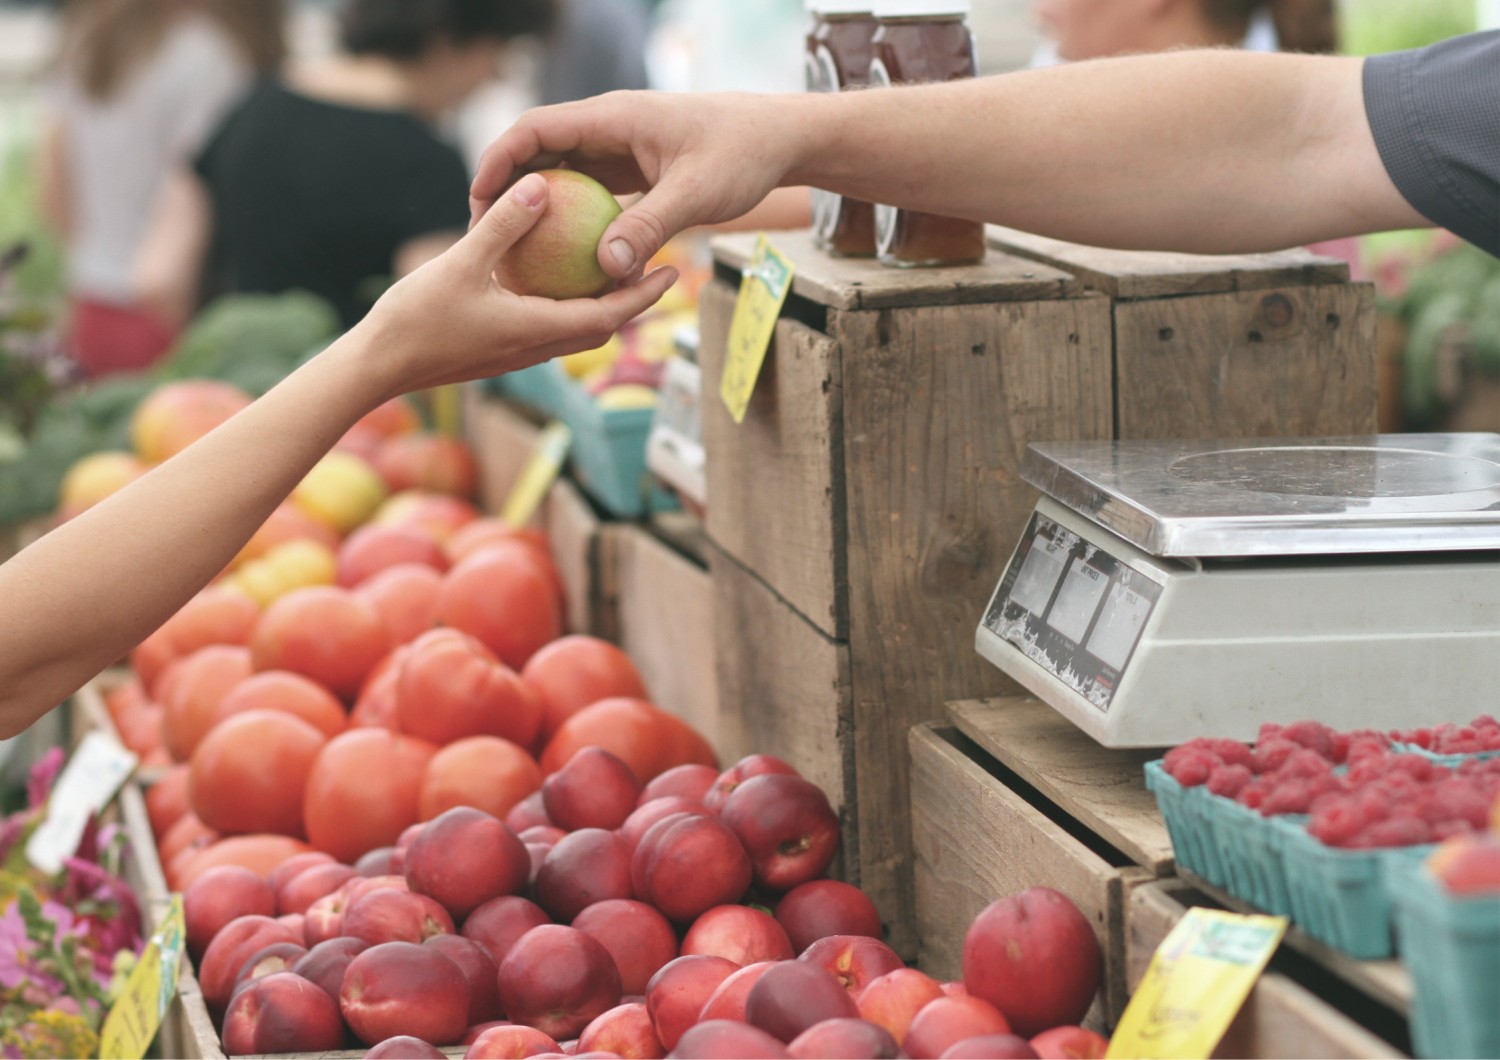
(650, 740)
(503, 597)
(322, 632)
(573, 672)
(249, 774)
(449, 686)
(362, 792)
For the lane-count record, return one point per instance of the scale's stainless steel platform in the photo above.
(1282, 497)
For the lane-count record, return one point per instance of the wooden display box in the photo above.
(1006, 795)
(864, 510)
(1282, 1017)
(661, 598)
(1228, 346)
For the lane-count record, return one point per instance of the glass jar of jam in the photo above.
(917, 41)
(838, 57)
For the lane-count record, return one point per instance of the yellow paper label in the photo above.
(763, 287)
(447, 403)
(537, 476)
(1197, 981)
(137, 1013)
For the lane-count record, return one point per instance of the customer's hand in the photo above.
(699, 159)
(450, 320)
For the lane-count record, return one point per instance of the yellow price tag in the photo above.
(1197, 981)
(137, 1013)
(537, 476)
(763, 287)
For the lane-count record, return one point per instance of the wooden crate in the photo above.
(1282, 1017)
(867, 505)
(1231, 346)
(661, 598)
(982, 831)
(873, 490)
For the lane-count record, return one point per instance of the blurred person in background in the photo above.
(140, 84)
(335, 177)
(597, 46)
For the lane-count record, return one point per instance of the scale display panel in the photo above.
(1072, 608)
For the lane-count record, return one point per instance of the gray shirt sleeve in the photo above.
(1435, 113)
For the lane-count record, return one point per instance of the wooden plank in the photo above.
(1131, 274)
(940, 404)
(1295, 361)
(976, 841)
(666, 625)
(864, 283)
(573, 537)
(1386, 982)
(774, 481)
(502, 439)
(783, 689)
(1104, 789)
(1281, 1018)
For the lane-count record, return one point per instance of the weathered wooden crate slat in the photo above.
(1281, 1018)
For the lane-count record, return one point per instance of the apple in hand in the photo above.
(787, 827)
(559, 256)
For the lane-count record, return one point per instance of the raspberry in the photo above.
(1417, 767)
(1455, 739)
(1369, 767)
(1457, 799)
(1270, 755)
(1442, 830)
(1254, 793)
(1304, 764)
(1229, 780)
(1373, 804)
(1233, 753)
(1336, 822)
(1421, 737)
(1293, 795)
(1269, 730)
(1313, 735)
(1190, 750)
(1192, 769)
(1403, 831)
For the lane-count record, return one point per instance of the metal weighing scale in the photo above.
(1166, 590)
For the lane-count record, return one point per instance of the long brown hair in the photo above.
(105, 41)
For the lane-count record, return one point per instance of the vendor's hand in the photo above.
(450, 321)
(699, 159)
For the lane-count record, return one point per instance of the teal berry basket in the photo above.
(1342, 898)
(542, 387)
(1452, 949)
(1452, 761)
(1229, 845)
(609, 454)
(1190, 823)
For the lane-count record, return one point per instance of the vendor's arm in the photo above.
(84, 595)
(1208, 151)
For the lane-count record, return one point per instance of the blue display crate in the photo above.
(1452, 949)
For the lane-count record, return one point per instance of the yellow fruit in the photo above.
(628, 396)
(341, 490)
(294, 565)
(581, 364)
(95, 477)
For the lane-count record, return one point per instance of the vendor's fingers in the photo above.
(642, 229)
(505, 221)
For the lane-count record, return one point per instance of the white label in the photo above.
(674, 449)
(1125, 613)
(1039, 574)
(1082, 588)
(87, 782)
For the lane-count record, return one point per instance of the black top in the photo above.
(1435, 113)
(319, 196)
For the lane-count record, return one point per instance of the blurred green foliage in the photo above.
(1369, 27)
